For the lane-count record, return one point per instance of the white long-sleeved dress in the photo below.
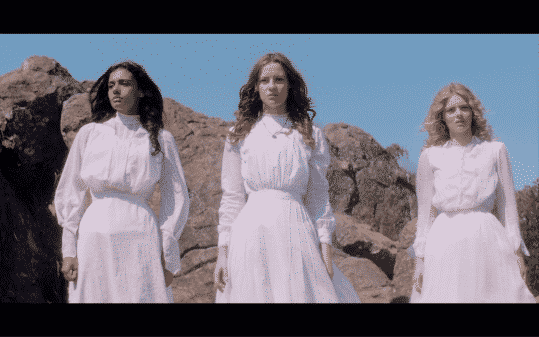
(469, 253)
(118, 239)
(274, 213)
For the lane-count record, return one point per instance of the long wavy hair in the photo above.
(435, 125)
(150, 107)
(297, 102)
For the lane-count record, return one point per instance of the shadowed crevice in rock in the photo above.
(383, 259)
(400, 299)
(196, 247)
(198, 266)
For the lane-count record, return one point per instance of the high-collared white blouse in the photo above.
(452, 177)
(286, 163)
(113, 160)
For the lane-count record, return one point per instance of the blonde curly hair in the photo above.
(435, 125)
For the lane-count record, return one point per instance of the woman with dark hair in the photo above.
(468, 243)
(116, 250)
(275, 246)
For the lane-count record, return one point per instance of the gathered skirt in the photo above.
(274, 256)
(468, 259)
(119, 254)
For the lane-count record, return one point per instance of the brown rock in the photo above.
(366, 181)
(31, 156)
(341, 191)
(76, 112)
(195, 287)
(403, 274)
(407, 235)
(87, 85)
(195, 282)
(358, 240)
(405, 264)
(366, 278)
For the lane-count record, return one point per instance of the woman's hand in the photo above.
(418, 274)
(70, 267)
(169, 277)
(327, 257)
(220, 275)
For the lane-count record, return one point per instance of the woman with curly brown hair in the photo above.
(468, 245)
(275, 220)
(116, 250)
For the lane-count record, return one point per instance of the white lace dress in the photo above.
(274, 213)
(469, 253)
(118, 239)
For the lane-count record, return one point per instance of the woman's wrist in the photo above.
(223, 251)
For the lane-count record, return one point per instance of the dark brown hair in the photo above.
(150, 107)
(297, 102)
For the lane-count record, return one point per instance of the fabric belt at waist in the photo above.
(278, 194)
(480, 208)
(139, 200)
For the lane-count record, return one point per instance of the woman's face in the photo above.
(458, 115)
(273, 85)
(123, 92)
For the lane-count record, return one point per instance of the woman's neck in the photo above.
(279, 111)
(462, 138)
(132, 114)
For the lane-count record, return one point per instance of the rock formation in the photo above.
(31, 154)
(404, 264)
(358, 240)
(366, 181)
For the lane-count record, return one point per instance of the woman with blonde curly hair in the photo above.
(275, 220)
(468, 245)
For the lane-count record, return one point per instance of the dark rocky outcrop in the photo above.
(32, 152)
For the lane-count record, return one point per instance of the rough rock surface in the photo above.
(366, 181)
(31, 154)
(76, 113)
(405, 264)
(370, 283)
(358, 240)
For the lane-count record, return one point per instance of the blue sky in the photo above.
(383, 84)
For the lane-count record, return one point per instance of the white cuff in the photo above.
(171, 251)
(224, 238)
(69, 244)
(324, 235)
(419, 247)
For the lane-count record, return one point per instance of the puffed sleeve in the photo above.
(506, 201)
(174, 208)
(233, 198)
(316, 200)
(425, 211)
(71, 199)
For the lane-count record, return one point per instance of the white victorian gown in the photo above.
(118, 239)
(468, 228)
(274, 213)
